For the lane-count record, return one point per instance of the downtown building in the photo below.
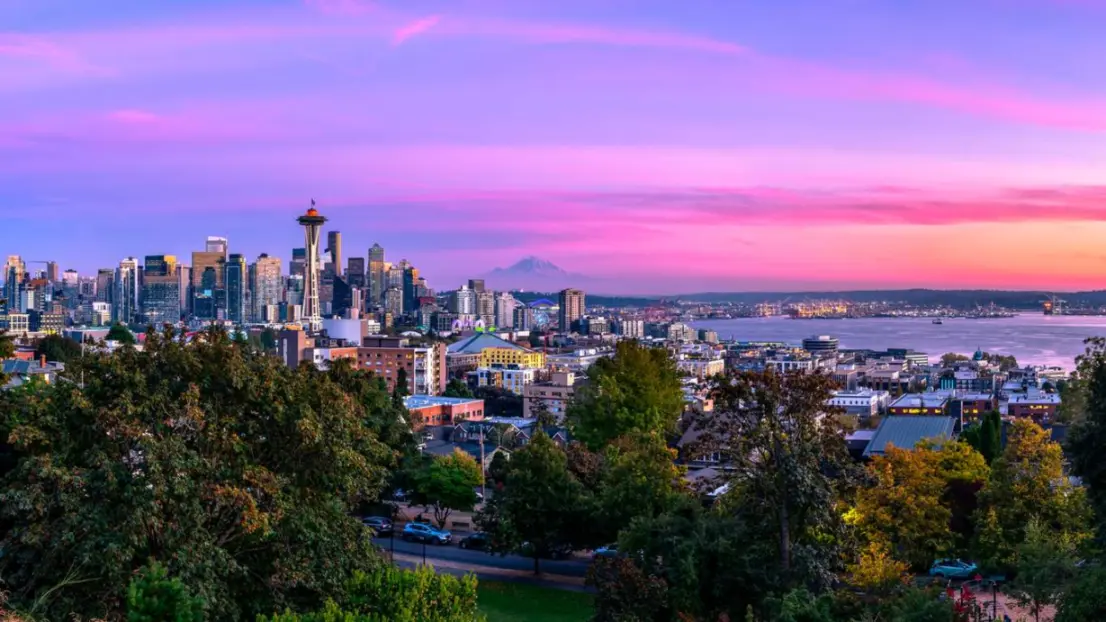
(160, 297)
(267, 289)
(572, 304)
(124, 306)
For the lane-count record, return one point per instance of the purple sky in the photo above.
(661, 146)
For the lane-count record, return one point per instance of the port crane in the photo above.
(1053, 305)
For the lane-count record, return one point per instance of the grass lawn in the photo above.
(516, 602)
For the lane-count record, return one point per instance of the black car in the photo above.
(382, 526)
(477, 541)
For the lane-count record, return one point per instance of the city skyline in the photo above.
(657, 150)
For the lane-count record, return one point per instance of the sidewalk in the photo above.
(545, 579)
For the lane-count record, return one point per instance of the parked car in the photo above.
(382, 526)
(611, 550)
(417, 532)
(428, 436)
(477, 541)
(557, 551)
(953, 569)
(399, 495)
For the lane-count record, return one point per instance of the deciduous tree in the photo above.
(636, 390)
(457, 388)
(120, 333)
(1046, 566)
(58, 348)
(448, 483)
(155, 597)
(1087, 437)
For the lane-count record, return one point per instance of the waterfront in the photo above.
(1035, 339)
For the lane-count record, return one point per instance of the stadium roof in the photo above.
(480, 342)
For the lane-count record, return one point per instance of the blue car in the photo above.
(418, 532)
(953, 569)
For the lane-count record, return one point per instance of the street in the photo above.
(577, 567)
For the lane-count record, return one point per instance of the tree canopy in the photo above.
(58, 348)
(120, 333)
(233, 471)
(636, 390)
(448, 483)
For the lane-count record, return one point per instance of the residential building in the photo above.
(431, 410)
(160, 295)
(410, 291)
(630, 328)
(928, 404)
(236, 280)
(52, 272)
(708, 336)
(906, 432)
(554, 394)
(476, 285)
(571, 309)
(124, 307)
(505, 305)
(71, 279)
(508, 377)
(863, 403)
(702, 367)
(47, 323)
(678, 331)
(463, 301)
(15, 273)
(523, 318)
(485, 307)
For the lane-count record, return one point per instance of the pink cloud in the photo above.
(415, 28)
(341, 7)
(133, 116)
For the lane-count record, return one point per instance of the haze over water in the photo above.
(1035, 339)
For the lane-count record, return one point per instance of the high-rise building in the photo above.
(267, 285)
(105, 285)
(312, 223)
(334, 251)
(184, 278)
(355, 272)
(299, 260)
(524, 318)
(52, 272)
(410, 293)
(485, 307)
(505, 305)
(236, 280)
(216, 245)
(160, 292)
(393, 302)
(70, 278)
(572, 308)
(293, 291)
(464, 301)
(376, 274)
(15, 274)
(208, 289)
(124, 305)
(476, 285)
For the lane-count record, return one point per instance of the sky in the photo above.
(658, 147)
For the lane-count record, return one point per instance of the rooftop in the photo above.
(424, 401)
(921, 400)
(480, 342)
(905, 432)
(1035, 398)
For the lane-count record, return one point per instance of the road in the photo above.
(577, 567)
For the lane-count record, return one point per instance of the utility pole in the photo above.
(483, 469)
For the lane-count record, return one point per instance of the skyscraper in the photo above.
(393, 302)
(476, 285)
(184, 278)
(105, 285)
(410, 295)
(299, 260)
(268, 286)
(159, 297)
(236, 279)
(464, 301)
(572, 308)
(123, 307)
(505, 305)
(15, 273)
(355, 272)
(52, 271)
(312, 223)
(216, 245)
(208, 294)
(376, 274)
(334, 251)
(485, 307)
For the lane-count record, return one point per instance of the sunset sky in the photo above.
(660, 146)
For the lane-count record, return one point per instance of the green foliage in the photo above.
(625, 592)
(233, 470)
(1086, 598)
(636, 390)
(122, 334)
(1087, 436)
(639, 479)
(497, 470)
(949, 359)
(918, 605)
(448, 483)
(499, 402)
(540, 503)
(57, 348)
(154, 597)
(268, 340)
(1046, 566)
(542, 415)
(986, 435)
(457, 388)
(7, 345)
(1027, 482)
(790, 467)
(800, 605)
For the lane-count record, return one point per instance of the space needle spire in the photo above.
(312, 223)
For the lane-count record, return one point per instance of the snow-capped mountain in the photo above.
(533, 273)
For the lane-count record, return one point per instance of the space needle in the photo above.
(312, 223)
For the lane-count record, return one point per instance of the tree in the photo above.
(1087, 436)
(636, 390)
(986, 435)
(536, 339)
(876, 572)
(448, 483)
(541, 502)
(1046, 565)
(7, 345)
(401, 388)
(497, 470)
(499, 402)
(639, 479)
(788, 466)
(625, 592)
(120, 333)
(1027, 482)
(234, 471)
(268, 340)
(1086, 598)
(949, 359)
(154, 597)
(457, 388)
(543, 416)
(58, 348)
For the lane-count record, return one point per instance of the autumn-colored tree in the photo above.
(1027, 482)
(876, 571)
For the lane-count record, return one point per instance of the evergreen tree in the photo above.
(154, 597)
(1087, 437)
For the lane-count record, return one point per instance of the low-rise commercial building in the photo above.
(863, 403)
(437, 410)
(928, 404)
(1035, 404)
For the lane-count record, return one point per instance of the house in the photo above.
(507, 431)
(20, 371)
(906, 431)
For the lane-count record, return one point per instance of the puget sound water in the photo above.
(1034, 338)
